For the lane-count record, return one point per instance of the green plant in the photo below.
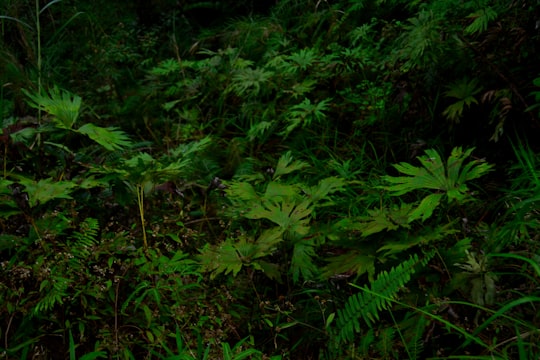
(366, 305)
(449, 178)
(292, 207)
(142, 173)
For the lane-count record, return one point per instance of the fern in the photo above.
(368, 303)
(84, 240)
(481, 18)
(55, 290)
(412, 329)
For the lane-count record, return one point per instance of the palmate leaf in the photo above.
(426, 236)
(249, 81)
(302, 261)
(324, 188)
(356, 261)
(233, 254)
(383, 219)
(44, 190)
(287, 165)
(464, 91)
(63, 105)
(305, 113)
(291, 217)
(448, 179)
(110, 138)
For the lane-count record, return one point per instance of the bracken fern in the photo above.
(368, 303)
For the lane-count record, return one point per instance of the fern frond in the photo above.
(481, 18)
(55, 290)
(412, 329)
(369, 302)
(85, 239)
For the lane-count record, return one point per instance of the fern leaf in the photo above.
(481, 18)
(55, 290)
(84, 240)
(368, 303)
(386, 344)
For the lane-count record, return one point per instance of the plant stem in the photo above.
(140, 203)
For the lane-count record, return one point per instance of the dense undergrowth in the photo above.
(269, 180)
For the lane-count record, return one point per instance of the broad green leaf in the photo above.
(110, 138)
(325, 187)
(63, 105)
(276, 190)
(243, 191)
(44, 190)
(302, 261)
(286, 165)
(426, 207)
(434, 175)
(354, 261)
(221, 258)
(383, 219)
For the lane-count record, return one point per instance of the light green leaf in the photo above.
(243, 191)
(61, 104)
(434, 175)
(325, 187)
(354, 261)
(110, 138)
(302, 261)
(426, 207)
(45, 190)
(286, 165)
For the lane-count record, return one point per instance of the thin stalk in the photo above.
(38, 30)
(140, 202)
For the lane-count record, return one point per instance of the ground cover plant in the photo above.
(289, 179)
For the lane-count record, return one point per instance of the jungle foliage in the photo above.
(292, 179)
